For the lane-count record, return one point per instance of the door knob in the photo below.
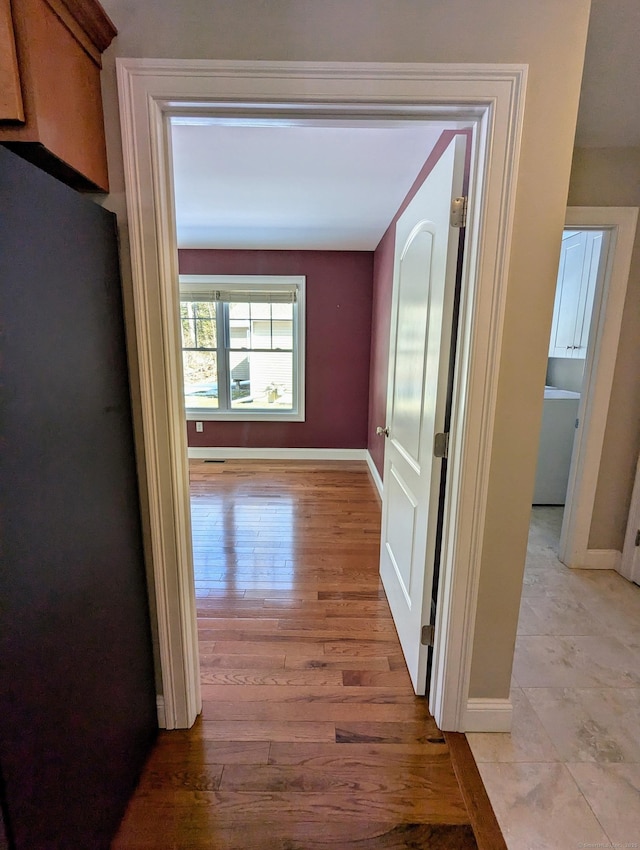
(380, 431)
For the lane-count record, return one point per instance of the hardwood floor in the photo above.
(310, 736)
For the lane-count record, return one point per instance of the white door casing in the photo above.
(425, 260)
(491, 99)
(619, 225)
(630, 562)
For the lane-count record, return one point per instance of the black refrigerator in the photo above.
(77, 696)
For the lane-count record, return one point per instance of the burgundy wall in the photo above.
(380, 327)
(338, 332)
(381, 310)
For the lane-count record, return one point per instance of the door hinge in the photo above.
(441, 445)
(638, 537)
(459, 212)
(428, 635)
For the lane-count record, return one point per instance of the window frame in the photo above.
(249, 283)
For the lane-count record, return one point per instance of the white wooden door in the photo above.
(426, 251)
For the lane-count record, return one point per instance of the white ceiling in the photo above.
(293, 185)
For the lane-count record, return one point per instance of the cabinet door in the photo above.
(575, 290)
(568, 294)
(11, 107)
(591, 265)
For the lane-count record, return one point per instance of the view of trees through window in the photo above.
(237, 355)
(199, 353)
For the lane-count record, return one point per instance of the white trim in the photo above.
(164, 428)
(630, 560)
(491, 99)
(373, 469)
(201, 414)
(600, 559)
(600, 363)
(488, 715)
(481, 320)
(162, 718)
(239, 453)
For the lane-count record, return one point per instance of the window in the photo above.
(243, 346)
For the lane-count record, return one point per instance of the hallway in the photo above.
(568, 775)
(310, 736)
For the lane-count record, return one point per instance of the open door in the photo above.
(425, 263)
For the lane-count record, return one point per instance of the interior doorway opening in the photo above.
(579, 295)
(236, 319)
(591, 288)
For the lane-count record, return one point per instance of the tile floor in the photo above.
(568, 776)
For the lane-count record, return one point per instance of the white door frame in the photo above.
(630, 562)
(602, 350)
(491, 98)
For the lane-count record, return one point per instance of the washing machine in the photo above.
(559, 417)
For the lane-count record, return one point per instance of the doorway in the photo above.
(593, 270)
(151, 93)
(228, 311)
(231, 315)
(583, 260)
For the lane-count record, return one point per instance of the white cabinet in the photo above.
(577, 277)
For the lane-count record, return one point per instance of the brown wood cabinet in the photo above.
(50, 97)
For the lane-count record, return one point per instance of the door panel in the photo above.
(590, 278)
(426, 257)
(413, 310)
(77, 697)
(401, 532)
(570, 277)
(575, 290)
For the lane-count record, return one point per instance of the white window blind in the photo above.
(200, 292)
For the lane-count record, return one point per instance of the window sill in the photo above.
(193, 415)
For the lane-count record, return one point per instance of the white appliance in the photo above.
(559, 417)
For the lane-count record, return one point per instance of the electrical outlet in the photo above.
(199, 427)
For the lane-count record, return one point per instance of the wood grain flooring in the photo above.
(310, 736)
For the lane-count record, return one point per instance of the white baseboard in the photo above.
(162, 719)
(488, 715)
(234, 453)
(601, 559)
(373, 469)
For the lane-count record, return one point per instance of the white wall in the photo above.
(550, 37)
